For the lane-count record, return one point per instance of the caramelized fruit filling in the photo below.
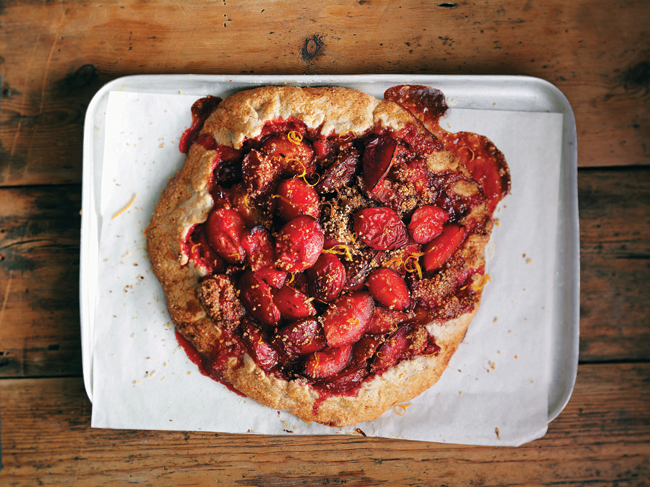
(324, 257)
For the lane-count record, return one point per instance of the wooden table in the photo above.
(56, 55)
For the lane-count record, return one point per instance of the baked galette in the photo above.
(322, 251)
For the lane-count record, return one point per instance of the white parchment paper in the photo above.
(495, 391)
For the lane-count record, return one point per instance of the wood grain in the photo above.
(56, 55)
(39, 281)
(601, 438)
(39, 266)
(614, 264)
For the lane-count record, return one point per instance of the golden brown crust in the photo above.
(187, 202)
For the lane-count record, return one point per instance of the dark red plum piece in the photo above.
(388, 288)
(377, 160)
(260, 350)
(340, 172)
(326, 277)
(408, 341)
(256, 296)
(300, 338)
(438, 251)
(384, 320)
(347, 319)
(293, 198)
(380, 228)
(225, 232)
(426, 223)
(327, 362)
(299, 244)
(294, 154)
(293, 304)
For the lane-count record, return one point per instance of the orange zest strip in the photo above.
(415, 267)
(478, 287)
(194, 246)
(246, 198)
(393, 260)
(416, 264)
(294, 137)
(125, 208)
(339, 249)
(303, 175)
(348, 134)
(402, 408)
(304, 170)
(313, 184)
(146, 231)
(471, 151)
(293, 276)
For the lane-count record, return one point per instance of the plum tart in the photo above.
(322, 251)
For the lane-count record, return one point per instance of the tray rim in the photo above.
(548, 94)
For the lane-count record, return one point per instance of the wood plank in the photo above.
(39, 265)
(601, 438)
(615, 264)
(56, 55)
(39, 281)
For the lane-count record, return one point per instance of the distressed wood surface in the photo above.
(39, 267)
(614, 210)
(56, 55)
(39, 281)
(601, 438)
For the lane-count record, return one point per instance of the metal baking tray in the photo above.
(514, 93)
